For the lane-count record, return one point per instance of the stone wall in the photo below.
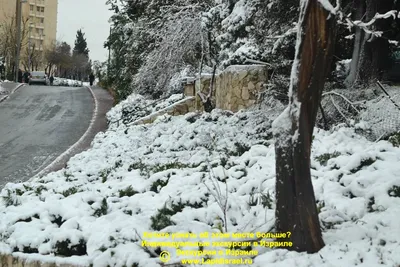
(236, 88)
(10, 261)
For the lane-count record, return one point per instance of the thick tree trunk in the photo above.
(295, 201)
(375, 53)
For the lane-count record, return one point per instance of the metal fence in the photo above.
(375, 112)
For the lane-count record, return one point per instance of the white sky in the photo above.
(90, 15)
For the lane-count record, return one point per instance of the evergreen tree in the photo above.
(81, 44)
(80, 57)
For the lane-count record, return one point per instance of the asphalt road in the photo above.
(37, 124)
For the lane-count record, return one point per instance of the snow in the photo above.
(140, 107)
(243, 68)
(205, 159)
(328, 6)
(159, 112)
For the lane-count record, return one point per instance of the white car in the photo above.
(38, 77)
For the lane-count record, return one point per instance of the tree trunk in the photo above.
(296, 210)
(359, 41)
(375, 53)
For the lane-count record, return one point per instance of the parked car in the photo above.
(38, 77)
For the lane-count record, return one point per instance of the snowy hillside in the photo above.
(176, 175)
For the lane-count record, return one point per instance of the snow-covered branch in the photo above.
(365, 25)
(329, 7)
(343, 97)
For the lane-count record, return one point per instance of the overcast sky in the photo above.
(90, 15)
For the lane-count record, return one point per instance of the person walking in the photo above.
(19, 75)
(2, 70)
(51, 80)
(91, 78)
(26, 77)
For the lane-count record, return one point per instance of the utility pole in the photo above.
(29, 48)
(109, 54)
(18, 18)
(18, 37)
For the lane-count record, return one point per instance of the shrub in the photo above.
(64, 248)
(395, 139)
(364, 163)
(394, 191)
(102, 210)
(323, 159)
(128, 192)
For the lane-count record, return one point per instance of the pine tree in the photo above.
(80, 57)
(81, 44)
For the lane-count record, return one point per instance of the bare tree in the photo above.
(8, 41)
(32, 56)
(296, 210)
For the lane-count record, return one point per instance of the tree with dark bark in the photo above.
(296, 210)
(371, 51)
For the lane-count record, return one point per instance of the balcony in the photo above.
(37, 37)
(37, 2)
(39, 48)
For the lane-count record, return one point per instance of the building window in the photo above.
(41, 20)
(31, 7)
(42, 9)
(38, 8)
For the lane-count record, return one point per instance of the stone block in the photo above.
(251, 86)
(245, 94)
(242, 75)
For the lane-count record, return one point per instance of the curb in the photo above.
(12, 91)
(74, 146)
(16, 88)
(3, 98)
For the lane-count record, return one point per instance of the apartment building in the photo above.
(39, 23)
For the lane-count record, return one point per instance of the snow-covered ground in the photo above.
(174, 176)
(62, 82)
(138, 107)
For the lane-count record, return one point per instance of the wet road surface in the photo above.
(37, 124)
